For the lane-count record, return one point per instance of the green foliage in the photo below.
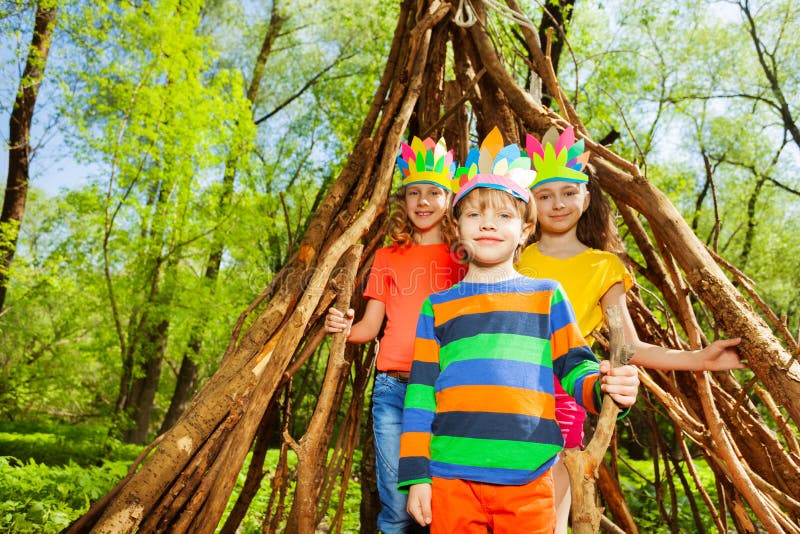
(152, 99)
(52, 343)
(637, 482)
(38, 498)
(58, 445)
(50, 474)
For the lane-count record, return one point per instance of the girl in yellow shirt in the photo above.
(574, 243)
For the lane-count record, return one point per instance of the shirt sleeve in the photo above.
(420, 405)
(616, 273)
(574, 363)
(378, 279)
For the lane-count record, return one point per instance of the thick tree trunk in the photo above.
(148, 345)
(139, 404)
(429, 107)
(185, 383)
(312, 448)
(19, 140)
(555, 19)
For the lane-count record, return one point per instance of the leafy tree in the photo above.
(701, 101)
(19, 141)
(159, 123)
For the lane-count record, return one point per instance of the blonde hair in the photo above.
(483, 197)
(401, 229)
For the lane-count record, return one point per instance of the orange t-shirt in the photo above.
(402, 278)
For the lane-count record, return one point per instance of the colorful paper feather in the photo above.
(496, 166)
(426, 161)
(557, 157)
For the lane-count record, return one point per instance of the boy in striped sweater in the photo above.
(479, 428)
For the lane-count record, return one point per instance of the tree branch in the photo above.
(297, 94)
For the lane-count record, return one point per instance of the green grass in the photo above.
(50, 475)
(63, 444)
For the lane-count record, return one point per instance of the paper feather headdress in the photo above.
(557, 157)
(426, 162)
(507, 168)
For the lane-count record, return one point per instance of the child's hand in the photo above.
(419, 503)
(336, 321)
(721, 356)
(622, 383)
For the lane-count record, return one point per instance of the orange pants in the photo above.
(475, 507)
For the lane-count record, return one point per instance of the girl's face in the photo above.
(426, 205)
(559, 205)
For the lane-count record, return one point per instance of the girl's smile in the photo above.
(560, 205)
(426, 205)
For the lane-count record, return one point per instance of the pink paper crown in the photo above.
(507, 168)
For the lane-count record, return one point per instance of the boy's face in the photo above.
(559, 205)
(491, 230)
(426, 205)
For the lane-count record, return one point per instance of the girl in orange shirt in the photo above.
(417, 263)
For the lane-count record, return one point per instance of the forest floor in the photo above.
(50, 475)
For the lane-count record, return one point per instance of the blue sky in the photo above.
(52, 168)
(52, 164)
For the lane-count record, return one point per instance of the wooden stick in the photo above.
(582, 466)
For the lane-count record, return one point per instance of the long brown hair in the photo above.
(401, 230)
(597, 227)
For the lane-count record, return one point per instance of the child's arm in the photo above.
(719, 356)
(419, 503)
(574, 363)
(419, 406)
(621, 383)
(364, 330)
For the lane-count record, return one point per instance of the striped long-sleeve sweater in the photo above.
(480, 403)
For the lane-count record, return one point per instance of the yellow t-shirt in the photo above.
(586, 277)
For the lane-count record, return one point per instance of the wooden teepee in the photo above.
(744, 432)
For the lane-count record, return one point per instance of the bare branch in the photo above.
(297, 94)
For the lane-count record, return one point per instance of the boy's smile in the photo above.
(491, 234)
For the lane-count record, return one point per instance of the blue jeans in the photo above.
(388, 395)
